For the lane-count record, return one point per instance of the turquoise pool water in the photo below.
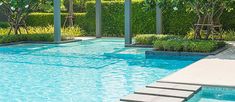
(99, 70)
(214, 94)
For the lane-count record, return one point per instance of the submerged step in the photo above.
(149, 98)
(165, 92)
(174, 86)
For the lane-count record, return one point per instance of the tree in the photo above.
(70, 15)
(17, 11)
(207, 11)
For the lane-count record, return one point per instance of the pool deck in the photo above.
(84, 38)
(217, 70)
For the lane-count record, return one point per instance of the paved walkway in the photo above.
(84, 38)
(218, 70)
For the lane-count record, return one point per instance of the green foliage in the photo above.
(143, 22)
(45, 19)
(113, 18)
(148, 39)
(4, 25)
(178, 21)
(26, 37)
(66, 32)
(39, 34)
(228, 20)
(228, 35)
(188, 45)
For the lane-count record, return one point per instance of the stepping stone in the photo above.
(165, 92)
(149, 98)
(173, 86)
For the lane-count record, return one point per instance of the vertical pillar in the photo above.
(158, 19)
(128, 22)
(98, 19)
(57, 21)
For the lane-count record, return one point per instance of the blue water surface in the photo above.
(214, 94)
(100, 70)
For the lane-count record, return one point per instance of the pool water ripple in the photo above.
(100, 70)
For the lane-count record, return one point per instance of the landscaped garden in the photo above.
(182, 24)
(36, 67)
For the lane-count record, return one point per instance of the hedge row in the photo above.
(148, 39)
(26, 37)
(174, 22)
(45, 19)
(188, 45)
(66, 32)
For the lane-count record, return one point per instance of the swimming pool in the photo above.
(100, 70)
(214, 94)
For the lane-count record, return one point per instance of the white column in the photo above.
(158, 20)
(128, 39)
(98, 19)
(57, 21)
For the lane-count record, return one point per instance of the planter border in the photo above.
(141, 46)
(173, 53)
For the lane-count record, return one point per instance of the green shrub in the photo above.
(45, 19)
(66, 32)
(147, 39)
(143, 22)
(4, 25)
(26, 37)
(113, 18)
(188, 45)
(228, 35)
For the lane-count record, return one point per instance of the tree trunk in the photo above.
(70, 13)
(198, 29)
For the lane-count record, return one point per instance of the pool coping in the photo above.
(137, 45)
(212, 71)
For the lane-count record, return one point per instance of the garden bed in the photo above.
(178, 44)
(175, 53)
(32, 38)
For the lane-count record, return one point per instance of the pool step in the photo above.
(175, 86)
(163, 92)
(149, 98)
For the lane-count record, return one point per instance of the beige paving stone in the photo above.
(165, 92)
(173, 86)
(149, 98)
(218, 70)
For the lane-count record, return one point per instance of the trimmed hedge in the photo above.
(4, 25)
(113, 18)
(143, 22)
(45, 19)
(39, 34)
(148, 39)
(26, 37)
(181, 45)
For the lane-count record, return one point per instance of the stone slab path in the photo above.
(163, 92)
